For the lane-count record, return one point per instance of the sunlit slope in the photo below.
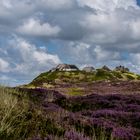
(72, 77)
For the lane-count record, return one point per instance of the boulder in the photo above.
(122, 69)
(106, 68)
(88, 69)
(65, 67)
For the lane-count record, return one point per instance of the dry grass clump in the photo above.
(12, 113)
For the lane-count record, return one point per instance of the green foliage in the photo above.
(117, 74)
(130, 77)
(103, 75)
(138, 77)
(58, 77)
(46, 77)
(75, 91)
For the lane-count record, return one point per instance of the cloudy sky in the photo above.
(36, 35)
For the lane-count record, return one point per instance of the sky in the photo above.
(36, 35)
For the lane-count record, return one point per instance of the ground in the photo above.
(74, 106)
(87, 111)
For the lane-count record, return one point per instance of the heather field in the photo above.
(69, 69)
(41, 114)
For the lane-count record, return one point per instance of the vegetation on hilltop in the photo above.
(72, 77)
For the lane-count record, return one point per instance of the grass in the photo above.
(20, 119)
(73, 77)
(12, 114)
(75, 91)
(131, 76)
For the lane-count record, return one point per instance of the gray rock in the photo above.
(122, 69)
(65, 67)
(88, 69)
(106, 68)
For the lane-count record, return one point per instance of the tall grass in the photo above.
(12, 114)
(21, 119)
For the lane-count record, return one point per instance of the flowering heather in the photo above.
(73, 135)
(123, 133)
(132, 108)
(103, 123)
(108, 111)
(52, 116)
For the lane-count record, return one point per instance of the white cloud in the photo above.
(101, 27)
(135, 28)
(4, 78)
(6, 3)
(14, 10)
(112, 27)
(104, 55)
(135, 58)
(4, 65)
(57, 4)
(36, 28)
(83, 53)
(79, 52)
(107, 5)
(31, 59)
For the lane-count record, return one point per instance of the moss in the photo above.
(103, 75)
(130, 76)
(46, 85)
(117, 74)
(75, 91)
(138, 77)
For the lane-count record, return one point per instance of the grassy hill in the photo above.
(49, 79)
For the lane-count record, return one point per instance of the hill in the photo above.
(79, 82)
(73, 77)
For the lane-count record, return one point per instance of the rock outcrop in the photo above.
(65, 67)
(106, 68)
(122, 69)
(88, 69)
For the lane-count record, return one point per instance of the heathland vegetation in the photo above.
(101, 104)
(40, 114)
(69, 76)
